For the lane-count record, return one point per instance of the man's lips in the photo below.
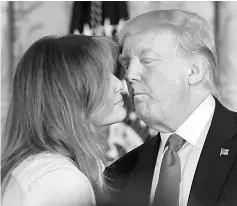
(121, 100)
(138, 93)
(132, 92)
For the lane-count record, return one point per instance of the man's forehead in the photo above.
(147, 41)
(138, 40)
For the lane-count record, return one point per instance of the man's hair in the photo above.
(59, 84)
(195, 39)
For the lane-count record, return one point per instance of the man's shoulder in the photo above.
(125, 163)
(129, 161)
(117, 174)
(234, 114)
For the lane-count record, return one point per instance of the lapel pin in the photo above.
(224, 151)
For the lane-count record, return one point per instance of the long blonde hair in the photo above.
(58, 85)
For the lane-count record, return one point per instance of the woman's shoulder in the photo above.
(48, 175)
(36, 166)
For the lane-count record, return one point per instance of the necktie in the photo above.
(167, 191)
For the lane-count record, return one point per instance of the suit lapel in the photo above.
(212, 169)
(137, 191)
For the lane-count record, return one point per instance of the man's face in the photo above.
(157, 79)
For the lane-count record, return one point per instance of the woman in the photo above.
(64, 92)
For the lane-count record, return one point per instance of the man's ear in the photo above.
(197, 72)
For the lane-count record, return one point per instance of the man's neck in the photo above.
(195, 99)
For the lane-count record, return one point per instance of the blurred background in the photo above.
(24, 22)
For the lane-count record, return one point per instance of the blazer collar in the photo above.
(212, 171)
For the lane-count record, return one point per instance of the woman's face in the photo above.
(112, 109)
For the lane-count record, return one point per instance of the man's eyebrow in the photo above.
(142, 52)
(138, 51)
(149, 50)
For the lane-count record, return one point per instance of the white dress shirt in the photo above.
(194, 130)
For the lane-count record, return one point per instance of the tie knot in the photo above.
(175, 142)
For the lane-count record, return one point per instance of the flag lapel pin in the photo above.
(224, 152)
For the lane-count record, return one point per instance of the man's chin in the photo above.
(142, 114)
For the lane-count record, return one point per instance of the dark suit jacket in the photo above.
(215, 179)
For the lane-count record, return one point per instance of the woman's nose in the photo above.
(119, 85)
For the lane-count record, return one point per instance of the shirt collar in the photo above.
(193, 127)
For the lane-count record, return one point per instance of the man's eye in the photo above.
(125, 66)
(147, 61)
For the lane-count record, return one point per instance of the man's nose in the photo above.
(134, 71)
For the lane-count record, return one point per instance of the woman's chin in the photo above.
(118, 116)
(121, 114)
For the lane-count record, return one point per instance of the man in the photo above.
(170, 62)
